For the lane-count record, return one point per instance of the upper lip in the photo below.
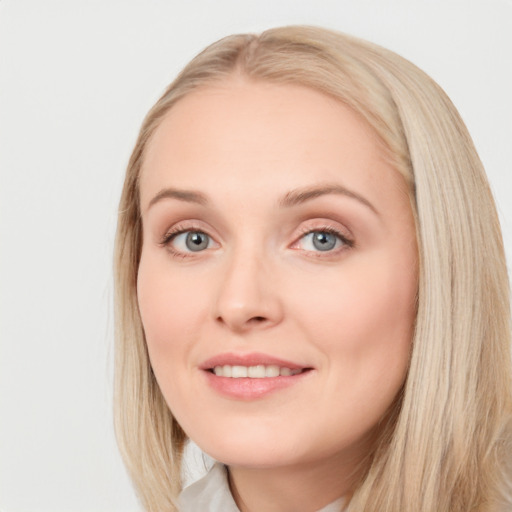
(250, 359)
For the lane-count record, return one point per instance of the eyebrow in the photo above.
(290, 199)
(301, 195)
(189, 196)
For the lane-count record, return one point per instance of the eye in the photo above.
(189, 241)
(323, 240)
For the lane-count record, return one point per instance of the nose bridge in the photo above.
(246, 296)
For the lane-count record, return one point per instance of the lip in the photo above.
(250, 359)
(247, 389)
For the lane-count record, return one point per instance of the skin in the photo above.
(262, 286)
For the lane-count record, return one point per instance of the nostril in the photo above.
(254, 319)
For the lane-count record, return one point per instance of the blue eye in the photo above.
(191, 241)
(322, 241)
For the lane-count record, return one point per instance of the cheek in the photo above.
(168, 308)
(359, 300)
(363, 318)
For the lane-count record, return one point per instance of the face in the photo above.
(278, 273)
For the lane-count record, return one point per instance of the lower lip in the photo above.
(245, 388)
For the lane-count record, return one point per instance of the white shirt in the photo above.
(211, 494)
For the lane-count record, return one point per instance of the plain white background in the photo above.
(76, 79)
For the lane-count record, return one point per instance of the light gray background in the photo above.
(76, 78)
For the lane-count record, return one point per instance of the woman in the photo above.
(311, 285)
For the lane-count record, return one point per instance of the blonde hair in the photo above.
(443, 449)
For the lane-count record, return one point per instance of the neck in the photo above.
(295, 488)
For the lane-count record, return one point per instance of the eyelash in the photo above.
(169, 236)
(348, 243)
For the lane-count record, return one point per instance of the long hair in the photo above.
(443, 448)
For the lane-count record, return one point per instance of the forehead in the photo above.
(268, 135)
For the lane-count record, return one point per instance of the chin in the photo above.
(255, 459)
(250, 451)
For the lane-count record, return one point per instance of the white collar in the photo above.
(211, 494)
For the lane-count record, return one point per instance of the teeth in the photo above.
(254, 372)
(272, 371)
(238, 371)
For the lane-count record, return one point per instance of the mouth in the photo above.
(259, 371)
(252, 376)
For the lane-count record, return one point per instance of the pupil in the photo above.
(197, 241)
(324, 241)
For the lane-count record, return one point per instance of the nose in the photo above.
(248, 295)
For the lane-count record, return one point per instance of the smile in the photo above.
(252, 376)
(254, 372)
